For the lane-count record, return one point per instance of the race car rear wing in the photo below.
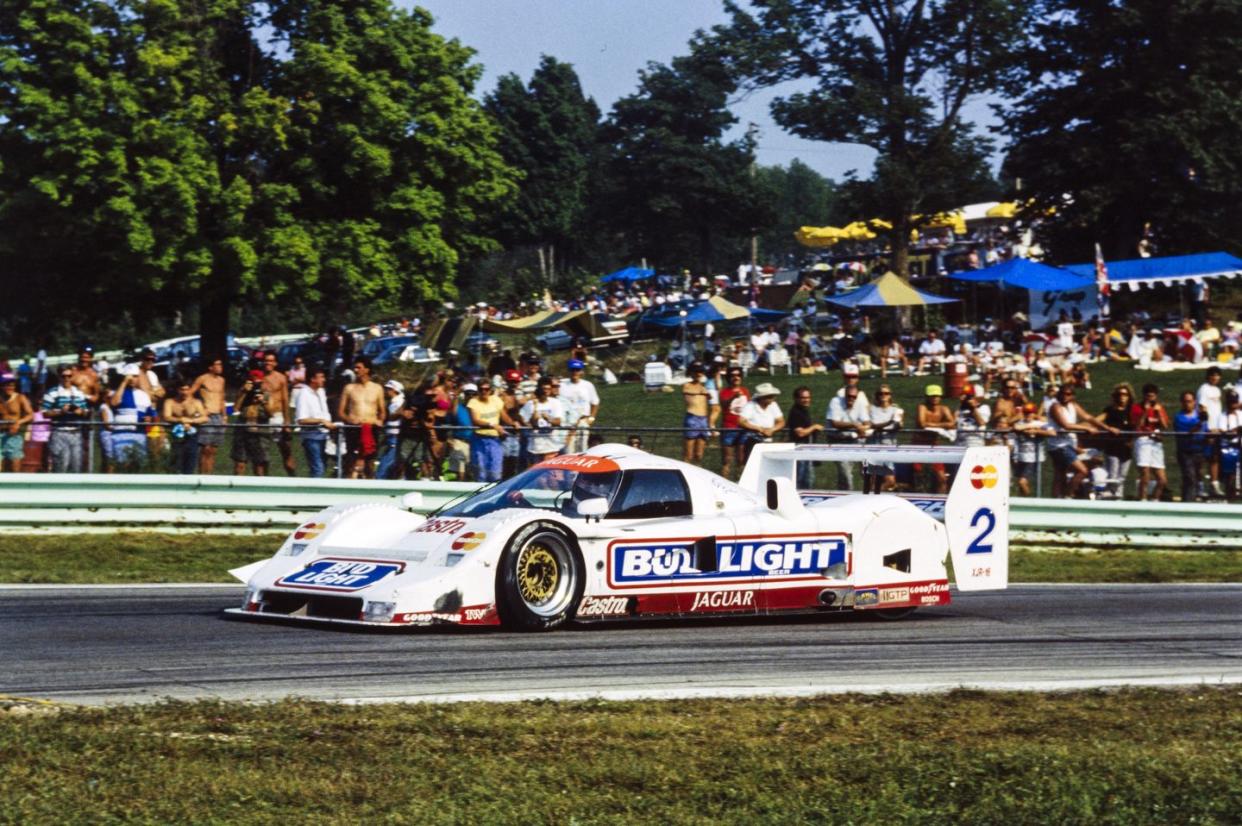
(976, 513)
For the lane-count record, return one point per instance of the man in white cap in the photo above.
(850, 375)
(761, 418)
(581, 403)
(394, 397)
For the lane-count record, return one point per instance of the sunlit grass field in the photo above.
(1125, 757)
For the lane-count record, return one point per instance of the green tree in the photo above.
(893, 75)
(1129, 113)
(548, 131)
(803, 197)
(671, 188)
(156, 155)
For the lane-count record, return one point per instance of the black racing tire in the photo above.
(540, 578)
(892, 614)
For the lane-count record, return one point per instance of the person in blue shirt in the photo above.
(1190, 423)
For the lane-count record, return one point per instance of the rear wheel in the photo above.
(540, 580)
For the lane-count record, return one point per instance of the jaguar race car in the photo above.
(616, 533)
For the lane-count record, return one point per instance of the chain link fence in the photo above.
(1104, 466)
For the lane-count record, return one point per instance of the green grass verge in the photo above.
(129, 557)
(1126, 757)
(156, 557)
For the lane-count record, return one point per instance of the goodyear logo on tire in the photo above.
(983, 476)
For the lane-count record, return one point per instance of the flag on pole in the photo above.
(1101, 283)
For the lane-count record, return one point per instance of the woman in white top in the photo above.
(886, 419)
(972, 417)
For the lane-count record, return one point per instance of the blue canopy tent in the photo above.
(1166, 271)
(1028, 275)
(628, 274)
(713, 310)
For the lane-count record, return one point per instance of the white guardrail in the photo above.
(42, 503)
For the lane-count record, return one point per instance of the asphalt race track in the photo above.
(126, 644)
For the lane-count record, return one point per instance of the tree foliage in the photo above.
(893, 75)
(156, 153)
(673, 188)
(548, 130)
(1129, 113)
(803, 197)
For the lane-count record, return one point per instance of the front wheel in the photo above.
(540, 580)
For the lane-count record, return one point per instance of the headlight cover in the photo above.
(378, 611)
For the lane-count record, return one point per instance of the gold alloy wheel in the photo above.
(538, 574)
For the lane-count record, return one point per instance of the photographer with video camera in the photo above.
(67, 407)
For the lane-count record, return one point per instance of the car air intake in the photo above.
(323, 606)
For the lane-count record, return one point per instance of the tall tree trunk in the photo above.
(552, 264)
(214, 326)
(543, 265)
(900, 241)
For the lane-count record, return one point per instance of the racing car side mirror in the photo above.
(596, 508)
(412, 500)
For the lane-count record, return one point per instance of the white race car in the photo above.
(616, 533)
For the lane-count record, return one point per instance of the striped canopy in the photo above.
(887, 291)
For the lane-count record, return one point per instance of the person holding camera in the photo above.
(249, 441)
(67, 407)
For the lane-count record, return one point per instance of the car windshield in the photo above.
(545, 488)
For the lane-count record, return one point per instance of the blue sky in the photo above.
(609, 41)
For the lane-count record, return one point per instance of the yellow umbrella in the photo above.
(857, 231)
(818, 236)
(1004, 210)
(955, 221)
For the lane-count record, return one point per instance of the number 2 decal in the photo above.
(980, 546)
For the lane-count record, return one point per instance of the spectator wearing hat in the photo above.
(512, 441)
(250, 440)
(849, 422)
(733, 399)
(314, 418)
(761, 418)
(1031, 431)
(131, 404)
(394, 397)
(934, 420)
(15, 414)
(67, 407)
(581, 403)
(543, 415)
(973, 415)
(491, 420)
(701, 414)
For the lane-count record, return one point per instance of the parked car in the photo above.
(554, 340)
(406, 352)
(374, 347)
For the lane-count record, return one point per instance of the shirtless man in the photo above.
(209, 387)
(701, 414)
(189, 413)
(15, 412)
(85, 377)
(276, 386)
(362, 404)
(147, 379)
(934, 418)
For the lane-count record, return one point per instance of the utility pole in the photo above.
(752, 139)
